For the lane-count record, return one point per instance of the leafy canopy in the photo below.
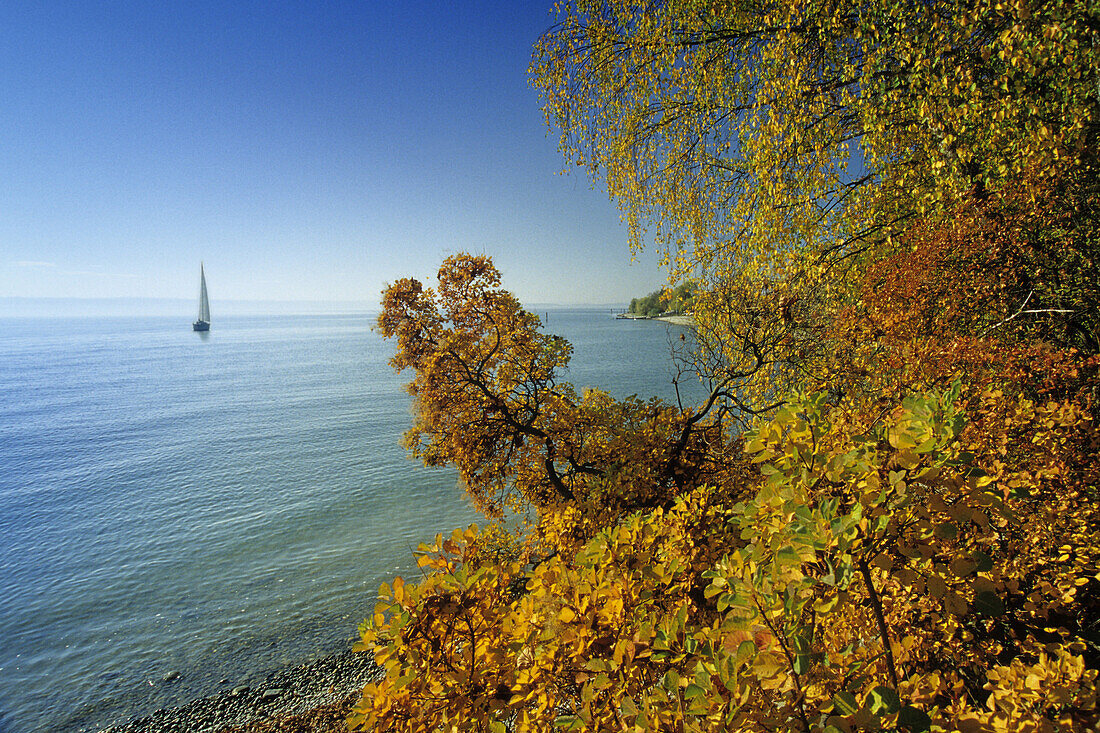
(745, 134)
(889, 210)
(488, 401)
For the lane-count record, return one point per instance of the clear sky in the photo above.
(302, 150)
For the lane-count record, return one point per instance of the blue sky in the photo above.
(303, 151)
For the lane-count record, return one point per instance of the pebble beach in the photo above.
(309, 697)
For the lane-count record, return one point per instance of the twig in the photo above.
(1024, 310)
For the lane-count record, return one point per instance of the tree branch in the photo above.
(1024, 310)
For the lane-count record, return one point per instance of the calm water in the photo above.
(215, 505)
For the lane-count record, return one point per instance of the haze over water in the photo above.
(215, 505)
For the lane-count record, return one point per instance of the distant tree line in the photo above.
(669, 300)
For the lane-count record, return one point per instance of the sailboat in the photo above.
(203, 324)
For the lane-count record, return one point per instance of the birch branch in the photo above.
(1025, 310)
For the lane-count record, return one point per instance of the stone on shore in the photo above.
(320, 688)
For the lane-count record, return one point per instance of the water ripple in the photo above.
(216, 507)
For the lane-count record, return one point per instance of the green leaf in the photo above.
(405, 680)
(804, 661)
(983, 561)
(845, 703)
(694, 691)
(883, 700)
(946, 531)
(914, 719)
(787, 556)
(988, 603)
(568, 722)
(927, 446)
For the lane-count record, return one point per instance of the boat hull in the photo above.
(201, 326)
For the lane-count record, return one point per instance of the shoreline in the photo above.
(675, 320)
(323, 686)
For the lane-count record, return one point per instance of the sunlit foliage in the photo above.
(736, 132)
(932, 569)
(885, 516)
(772, 149)
(676, 301)
(488, 401)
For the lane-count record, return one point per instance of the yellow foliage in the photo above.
(885, 514)
(876, 577)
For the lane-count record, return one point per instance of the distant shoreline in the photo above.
(676, 320)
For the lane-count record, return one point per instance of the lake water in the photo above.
(216, 505)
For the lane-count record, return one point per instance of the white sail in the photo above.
(204, 302)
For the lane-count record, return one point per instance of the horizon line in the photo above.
(163, 299)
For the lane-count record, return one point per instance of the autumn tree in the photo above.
(921, 561)
(677, 300)
(924, 564)
(884, 517)
(770, 150)
(489, 402)
(733, 131)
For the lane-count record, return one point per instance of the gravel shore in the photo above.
(287, 700)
